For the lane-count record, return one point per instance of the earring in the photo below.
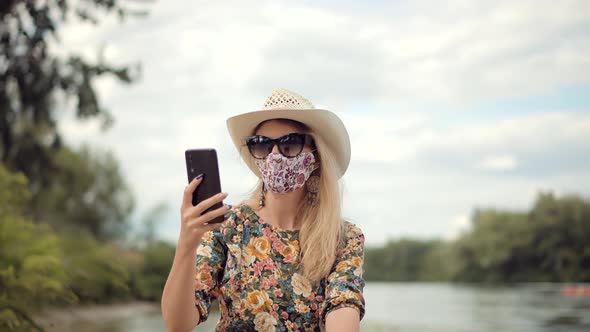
(313, 187)
(261, 203)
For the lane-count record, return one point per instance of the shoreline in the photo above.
(56, 318)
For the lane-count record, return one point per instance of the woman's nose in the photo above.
(275, 149)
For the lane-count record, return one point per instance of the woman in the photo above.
(284, 259)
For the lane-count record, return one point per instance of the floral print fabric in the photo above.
(283, 174)
(250, 267)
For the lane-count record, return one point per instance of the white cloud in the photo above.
(442, 177)
(459, 225)
(499, 162)
(456, 52)
(378, 67)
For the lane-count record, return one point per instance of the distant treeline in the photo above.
(549, 243)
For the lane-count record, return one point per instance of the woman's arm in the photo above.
(178, 299)
(179, 307)
(344, 304)
(343, 320)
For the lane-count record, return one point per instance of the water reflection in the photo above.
(446, 307)
(424, 307)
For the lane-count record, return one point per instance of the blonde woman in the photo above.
(284, 259)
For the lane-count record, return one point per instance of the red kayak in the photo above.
(575, 290)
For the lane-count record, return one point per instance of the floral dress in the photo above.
(249, 266)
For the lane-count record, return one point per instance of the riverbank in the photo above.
(99, 315)
(390, 307)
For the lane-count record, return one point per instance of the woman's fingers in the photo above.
(209, 227)
(187, 199)
(191, 215)
(209, 202)
(207, 217)
(204, 219)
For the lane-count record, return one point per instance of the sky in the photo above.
(470, 104)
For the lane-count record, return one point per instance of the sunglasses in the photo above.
(290, 145)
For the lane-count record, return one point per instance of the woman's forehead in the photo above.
(275, 128)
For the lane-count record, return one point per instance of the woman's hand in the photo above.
(178, 297)
(193, 223)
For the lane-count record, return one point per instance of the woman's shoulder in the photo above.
(354, 238)
(352, 230)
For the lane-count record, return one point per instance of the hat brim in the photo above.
(323, 123)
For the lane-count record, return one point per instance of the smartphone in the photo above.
(204, 161)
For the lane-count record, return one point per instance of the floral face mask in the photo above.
(281, 174)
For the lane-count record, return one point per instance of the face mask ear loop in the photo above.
(316, 166)
(316, 163)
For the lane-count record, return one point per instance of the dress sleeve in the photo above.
(210, 265)
(345, 283)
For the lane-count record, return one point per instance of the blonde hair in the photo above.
(322, 226)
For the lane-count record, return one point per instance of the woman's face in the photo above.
(276, 129)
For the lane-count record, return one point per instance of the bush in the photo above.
(31, 258)
(149, 277)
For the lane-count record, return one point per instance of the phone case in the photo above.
(204, 161)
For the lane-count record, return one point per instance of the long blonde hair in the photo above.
(322, 226)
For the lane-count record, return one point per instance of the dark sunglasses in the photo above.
(290, 145)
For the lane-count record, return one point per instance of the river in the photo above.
(404, 307)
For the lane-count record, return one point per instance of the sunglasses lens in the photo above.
(260, 150)
(258, 147)
(289, 145)
(292, 145)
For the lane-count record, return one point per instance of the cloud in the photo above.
(543, 143)
(459, 225)
(447, 171)
(499, 162)
(513, 143)
(459, 52)
(407, 79)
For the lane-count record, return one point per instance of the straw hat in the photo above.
(286, 104)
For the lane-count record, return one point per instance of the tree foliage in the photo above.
(62, 208)
(149, 276)
(41, 267)
(87, 192)
(31, 259)
(548, 243)
(35, 85)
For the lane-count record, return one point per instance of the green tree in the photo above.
(439, 262)
(548, 243)
(150, 259)
(87, 192)
(31, 79)
(32, 273)
(408, 259)
(97, 272)
(490, 251)
(561, 240)
(148, 277)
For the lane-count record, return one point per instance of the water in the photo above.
(424, 307)
(445, 307)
